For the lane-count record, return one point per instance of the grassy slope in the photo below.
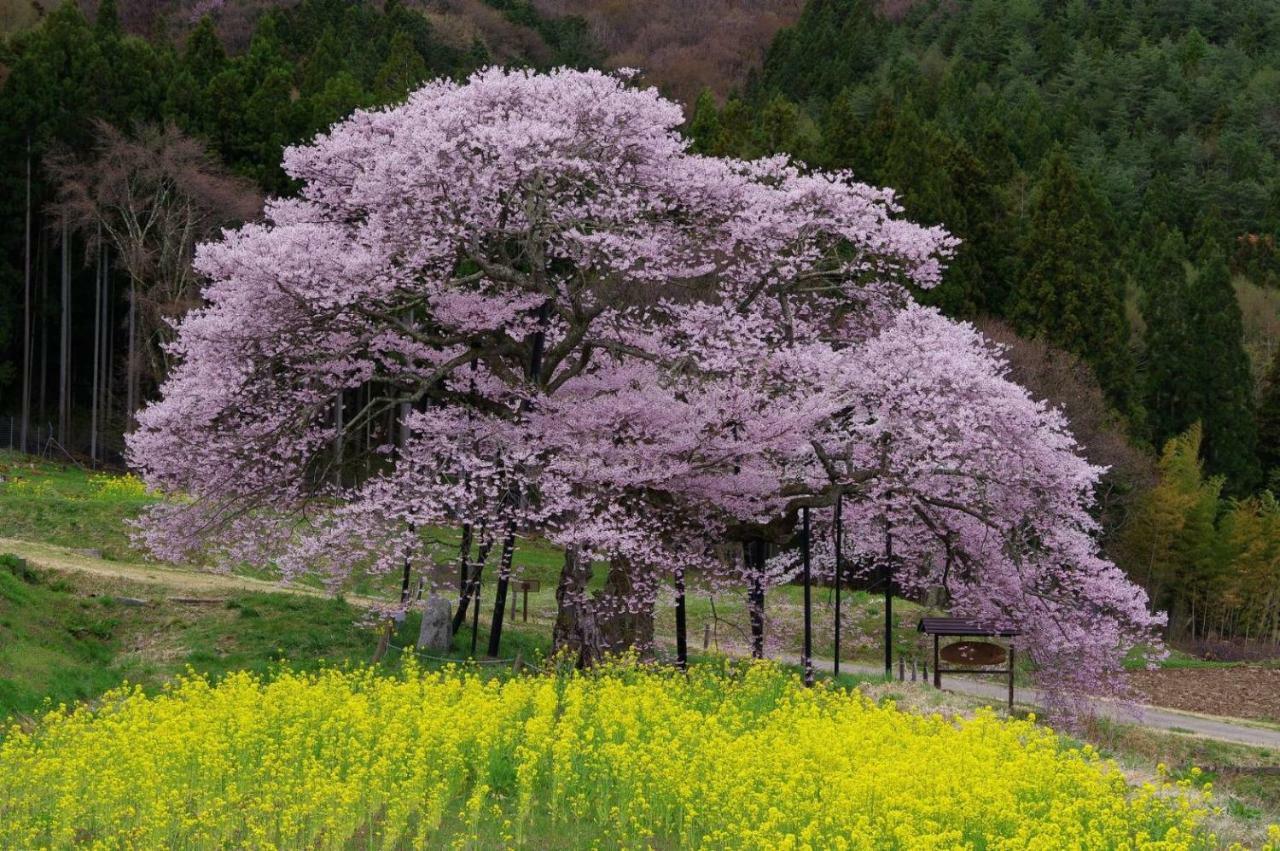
(67, 638)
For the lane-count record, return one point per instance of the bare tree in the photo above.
(155, 193)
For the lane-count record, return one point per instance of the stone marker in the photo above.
(437, 625)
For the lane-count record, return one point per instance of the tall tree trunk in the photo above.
(64, 354)
(26, 313)
(108, 349)
(104, 373)
(464, 559)
(575, 633)
(43, 313)
(131, 367)
(682, 633)
(472, 589)
(97, 354)
(500, 594)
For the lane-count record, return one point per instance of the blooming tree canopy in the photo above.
(520, 303)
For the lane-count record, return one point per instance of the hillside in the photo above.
(1095, 159)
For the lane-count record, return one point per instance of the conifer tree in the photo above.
(402, 72)
(1197, 368)
(1269, 423)
(1221, 382)
(1068, 290)
(1170, 341)
(204, 55)
(704, 124)
(107, 22)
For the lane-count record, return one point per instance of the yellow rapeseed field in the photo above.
(624, 757)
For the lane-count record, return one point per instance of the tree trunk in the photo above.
(43, 314)
(623, 619)
(575, 633)
(464, 559)
(472, 588)
(131, 367)
(108, 347)
(500, 595)
(338, 413)
(64, 353)
(26, 313)
(754, 555)
(97, 354)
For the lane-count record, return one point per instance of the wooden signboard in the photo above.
(974, 653)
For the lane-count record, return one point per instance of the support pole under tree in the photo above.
(937, 671)
(888, 605)
(475, 618)
(839, 534)
(682, 642)
(1010, 677)
(808, 602)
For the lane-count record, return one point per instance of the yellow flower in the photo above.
(626, 756)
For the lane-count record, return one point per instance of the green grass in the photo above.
(68, 638)
(1176, 659)
(1250, 799)
(65, 505)
(68, 506)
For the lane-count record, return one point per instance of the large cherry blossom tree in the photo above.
(519, 305)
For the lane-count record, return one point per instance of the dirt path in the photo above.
(184, 580)
(1170, 720)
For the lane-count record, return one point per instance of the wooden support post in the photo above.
(888, 605)
(475, 621)
(902, 670)
(808, 607)
(839, 534)
(525, 586)
(937, 675)
(1010, 677)
(682, 642)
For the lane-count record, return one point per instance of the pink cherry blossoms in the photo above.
(520, 303)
